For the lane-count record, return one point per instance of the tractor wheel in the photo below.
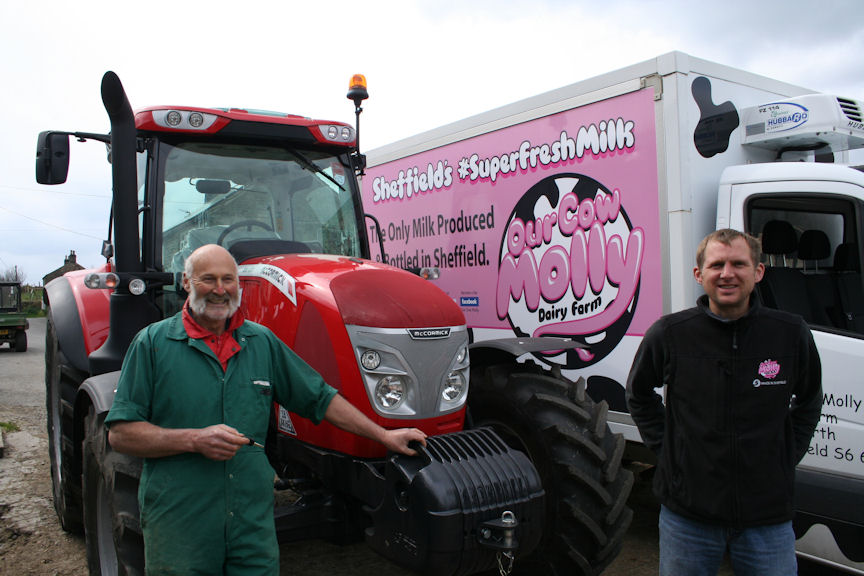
(115, 545)
(565, 435)
(65, 464)
(20, 344)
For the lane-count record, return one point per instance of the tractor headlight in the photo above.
(196, 119)
(173, 118)
(370, 359)
(454, 387)
(137, 286)
(462, 355)
(184, 119)
(337, 132)
(101, 280)
(390, 392)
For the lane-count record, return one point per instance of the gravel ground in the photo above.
(31, 540)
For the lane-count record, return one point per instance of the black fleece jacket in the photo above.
(742, 400)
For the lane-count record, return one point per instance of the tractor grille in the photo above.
(482, 466)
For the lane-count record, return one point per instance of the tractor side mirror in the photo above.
(52, 157)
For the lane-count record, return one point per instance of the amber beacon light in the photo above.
(357, 92)
(357, 89)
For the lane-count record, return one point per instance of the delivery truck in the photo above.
(577, 213)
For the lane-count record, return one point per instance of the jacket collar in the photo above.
(703, 306)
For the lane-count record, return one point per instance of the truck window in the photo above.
(813, 264)
(9, 297)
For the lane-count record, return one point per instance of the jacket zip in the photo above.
(733, 396)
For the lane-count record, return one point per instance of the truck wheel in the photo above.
(65, 466)
(21, 341)
(565, 435)
(115, 545)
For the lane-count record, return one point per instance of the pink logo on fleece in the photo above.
(769, 368)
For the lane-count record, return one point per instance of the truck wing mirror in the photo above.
(52, 157)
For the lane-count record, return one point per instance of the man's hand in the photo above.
(219, 442)
(397, 440)
(341, 413)
(145, 440)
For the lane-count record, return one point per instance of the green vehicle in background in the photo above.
(13, 321)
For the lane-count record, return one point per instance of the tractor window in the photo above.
(141, 163)
(281, 199)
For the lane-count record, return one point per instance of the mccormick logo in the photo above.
(769, 369)
(428, 333)
(283, 281)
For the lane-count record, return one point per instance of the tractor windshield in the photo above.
(255, 200)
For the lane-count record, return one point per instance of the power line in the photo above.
(49, 224)
(41, 229)
(64, 192)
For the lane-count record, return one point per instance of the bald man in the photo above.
(194, 401)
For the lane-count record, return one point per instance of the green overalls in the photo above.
(202, 516)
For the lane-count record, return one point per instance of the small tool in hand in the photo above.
(253, 443)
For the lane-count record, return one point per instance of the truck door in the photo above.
(811, 233)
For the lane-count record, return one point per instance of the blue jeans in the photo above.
(691, 548)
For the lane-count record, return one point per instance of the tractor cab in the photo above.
(255, 200)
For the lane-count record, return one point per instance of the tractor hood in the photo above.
(364, 293)
(328, 308)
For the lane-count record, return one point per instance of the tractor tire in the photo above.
(115, 545)
(20, 344)
(566, 436)
(65, 464)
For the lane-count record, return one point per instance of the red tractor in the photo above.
(521, 466)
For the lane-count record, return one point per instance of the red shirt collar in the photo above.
(195, 330)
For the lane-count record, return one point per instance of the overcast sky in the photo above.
(428, 63)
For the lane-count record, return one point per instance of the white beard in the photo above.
(198, 305)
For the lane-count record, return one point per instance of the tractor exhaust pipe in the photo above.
(124, 172)
(129, 313)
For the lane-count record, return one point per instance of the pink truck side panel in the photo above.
(550, 227)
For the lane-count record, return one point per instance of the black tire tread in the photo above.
(60, 388)
(20, 344)
(567, 437)
(580, 441)
(120, 474)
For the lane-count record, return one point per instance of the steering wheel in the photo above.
(240, 224)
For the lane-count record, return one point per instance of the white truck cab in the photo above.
(809, 217)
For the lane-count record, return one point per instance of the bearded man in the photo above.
(194, 400)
